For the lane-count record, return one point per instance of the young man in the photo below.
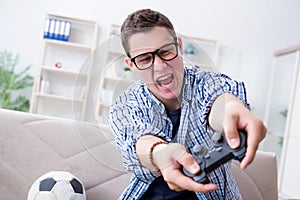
(158, 120)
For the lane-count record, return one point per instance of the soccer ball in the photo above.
(57, 185)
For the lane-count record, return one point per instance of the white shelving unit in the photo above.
(63, 77)
(282, 119)
(202, 52)
(114, 79)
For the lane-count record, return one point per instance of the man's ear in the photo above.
(129, 63)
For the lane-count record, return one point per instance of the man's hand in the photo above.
(170, 159)
(228, 115)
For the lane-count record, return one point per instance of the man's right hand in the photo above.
(170, 158)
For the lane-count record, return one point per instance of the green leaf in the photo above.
(20, 104)
(11, 81)
(284, 113)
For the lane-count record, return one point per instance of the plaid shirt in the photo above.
(138, 112)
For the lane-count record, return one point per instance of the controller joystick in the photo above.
(221, 153)
(217, 138)
(200, 150)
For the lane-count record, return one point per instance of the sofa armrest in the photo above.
(259, 180)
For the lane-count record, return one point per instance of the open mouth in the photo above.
(166, 80)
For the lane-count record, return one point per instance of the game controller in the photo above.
(221, 153)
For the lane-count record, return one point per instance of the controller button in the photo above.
(217, 138)
(199, 150)
(219, 149)
(207, 156)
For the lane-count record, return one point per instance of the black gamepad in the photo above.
(221, 153)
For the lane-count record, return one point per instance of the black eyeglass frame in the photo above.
(153, 53)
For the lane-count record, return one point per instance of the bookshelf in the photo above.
(114, 79)
(282, 119)
(63, 77)
(199, 51)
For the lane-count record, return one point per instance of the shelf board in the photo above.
(58, 97)
(115, 30)
(115, 34)
(66, 72)
(70, 44)
(103, 108)
(110, 82)
(109, 78)
(59, 16)
(117, 52)
(201, 66)
(105, 105)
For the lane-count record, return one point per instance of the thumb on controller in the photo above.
(232, 135)
(189, 163)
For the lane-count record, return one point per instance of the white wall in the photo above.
(248, 31)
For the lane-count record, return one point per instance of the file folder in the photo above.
(62, 30)
(56, 29)
(46, 28)
(51, 29)
(67, 31)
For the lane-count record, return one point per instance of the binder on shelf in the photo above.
(67, 31)
(57, 29)
(51, 29)
(61, 30)
(46, 28)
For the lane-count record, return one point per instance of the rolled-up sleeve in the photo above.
(215, 84)
(128, 124)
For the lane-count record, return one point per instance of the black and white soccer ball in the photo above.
(57, 185)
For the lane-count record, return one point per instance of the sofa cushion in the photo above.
(32, 145)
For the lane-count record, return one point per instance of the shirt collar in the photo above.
(156, 105)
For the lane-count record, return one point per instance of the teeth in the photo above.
(164, 78)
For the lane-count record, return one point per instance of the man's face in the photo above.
(164, 78)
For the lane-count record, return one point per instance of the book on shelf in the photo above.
(57, 29)
(45, 87)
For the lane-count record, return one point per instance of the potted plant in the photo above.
(12, 83)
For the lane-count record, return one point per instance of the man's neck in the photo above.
(172, 104)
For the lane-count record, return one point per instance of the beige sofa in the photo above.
(31, 145)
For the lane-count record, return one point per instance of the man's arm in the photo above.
(228, 115)
(170, 158)
(143, 147)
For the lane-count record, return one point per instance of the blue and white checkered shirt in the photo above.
(137, 112)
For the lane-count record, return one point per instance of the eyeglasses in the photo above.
(146, 60)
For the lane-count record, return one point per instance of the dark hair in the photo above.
(142, 21)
